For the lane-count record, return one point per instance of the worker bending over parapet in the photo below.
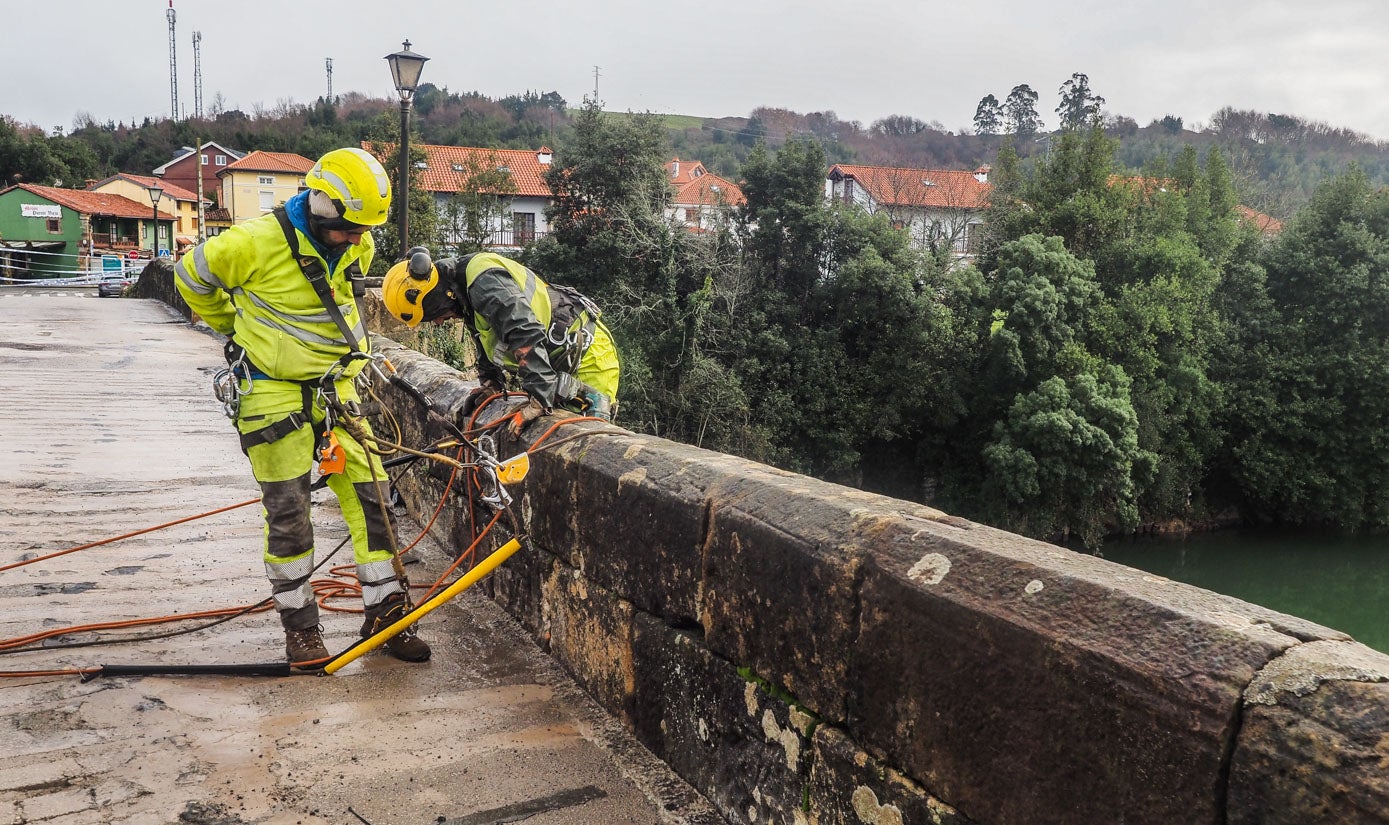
(550, 336)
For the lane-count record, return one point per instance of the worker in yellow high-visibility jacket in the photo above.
(255, 284)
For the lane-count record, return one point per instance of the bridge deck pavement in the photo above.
(109, 426)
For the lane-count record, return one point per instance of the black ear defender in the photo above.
(420, 264)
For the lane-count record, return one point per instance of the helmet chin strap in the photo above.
(318, 227)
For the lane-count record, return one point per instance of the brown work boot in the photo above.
(405, 645)
(304, 648)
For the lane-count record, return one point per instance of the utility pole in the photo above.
(329, 63)
(173, 63)
(202, 213)
(197, 74)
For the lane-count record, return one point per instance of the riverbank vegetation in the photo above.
(1125, 350)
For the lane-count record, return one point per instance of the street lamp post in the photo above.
(405, 72)
(156, 192)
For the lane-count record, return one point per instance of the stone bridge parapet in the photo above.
(803, 652)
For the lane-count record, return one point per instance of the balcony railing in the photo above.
(510, 238)
(113, 240)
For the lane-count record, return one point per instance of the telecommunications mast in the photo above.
(197, 74)
(173, 64)
(329, 62)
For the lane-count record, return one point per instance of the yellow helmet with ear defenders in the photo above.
(406, 283)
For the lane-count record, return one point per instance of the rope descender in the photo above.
(226, 385)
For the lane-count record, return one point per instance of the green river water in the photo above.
(1336, 581)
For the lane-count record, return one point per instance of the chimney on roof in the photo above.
(982, 173)
(89, 183)
(675, 168)
(544, 156)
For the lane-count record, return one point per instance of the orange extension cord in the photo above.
(342, 585)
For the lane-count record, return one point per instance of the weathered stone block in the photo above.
(590, 633)
(748, 752)
(1314, 746)
(630, 511)
(518, 586)
(781, 582)
(850, 787)
(1027, 683)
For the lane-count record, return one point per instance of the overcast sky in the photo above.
(862, 60)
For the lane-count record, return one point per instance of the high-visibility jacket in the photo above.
(245, 283)
(523, 324)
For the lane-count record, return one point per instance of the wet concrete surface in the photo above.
(109, 426)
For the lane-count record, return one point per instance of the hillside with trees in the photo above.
(1275, 160)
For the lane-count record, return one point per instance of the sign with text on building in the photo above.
(40, 210)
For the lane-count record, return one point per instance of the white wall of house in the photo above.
(922, 224)
(835, 190)
(506, 226)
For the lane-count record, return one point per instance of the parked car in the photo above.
(113, 286)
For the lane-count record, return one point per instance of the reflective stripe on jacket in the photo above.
(245, 283)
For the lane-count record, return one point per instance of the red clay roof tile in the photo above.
(170, 190)
(259, 161)
(1266, 224)
(449, 167)
(710, 190)
(94, 203)
(895, 186)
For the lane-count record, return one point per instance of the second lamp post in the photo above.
(156, 192)
(405, 72)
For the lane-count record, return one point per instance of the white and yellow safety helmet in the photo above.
(357, 187)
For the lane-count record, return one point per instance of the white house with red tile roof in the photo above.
(515, 178)
(934, 206)
(699, 195)
(261, 181)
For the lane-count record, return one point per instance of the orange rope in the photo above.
(90, 545)
(33, 638)
(324, 590)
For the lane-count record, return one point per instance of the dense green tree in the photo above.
(607, 224)
(1080, 106)
(988, 116)
(1020, 116)
(1312, 408)
(1065, 460)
